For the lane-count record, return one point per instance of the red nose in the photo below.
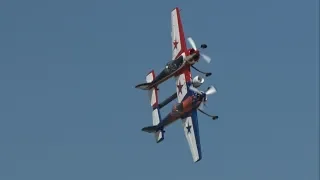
(192, 51)
(197, 56)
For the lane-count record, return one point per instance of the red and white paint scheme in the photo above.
(183, 81)
(154, 102)
(181, 56)
(179, 45)
(189, 98)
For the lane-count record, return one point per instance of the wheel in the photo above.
(203, 46)
(215, 117)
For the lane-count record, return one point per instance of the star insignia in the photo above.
(188, 128)
(175, 43)
(180, 87)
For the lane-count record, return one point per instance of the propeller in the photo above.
(195, 90)
(206, 58)
(193, 45)
(201, 106)
(210, 90)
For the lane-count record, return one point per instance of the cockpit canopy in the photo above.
(179, 107)
(175, 64)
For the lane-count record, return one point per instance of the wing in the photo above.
(190, 123)
(191, 131)
(179, 48)
(177, 34)
(183, 82)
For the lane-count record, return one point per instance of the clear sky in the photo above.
(69, 109)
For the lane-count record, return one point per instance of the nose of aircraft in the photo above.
(196, 55)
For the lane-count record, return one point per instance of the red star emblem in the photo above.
(175, 43)
(180, 87)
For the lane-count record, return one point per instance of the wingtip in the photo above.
(176, 8)
(197, 160)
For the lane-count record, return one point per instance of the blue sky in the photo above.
(68, 108)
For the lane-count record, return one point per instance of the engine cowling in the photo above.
(197, 81)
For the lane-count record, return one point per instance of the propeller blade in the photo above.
(201, 106)
(206, 58)
(195, 90)
(192, 43)
(211, 90)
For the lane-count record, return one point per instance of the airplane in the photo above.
(182, 57)
(189, 98)
(186, 109)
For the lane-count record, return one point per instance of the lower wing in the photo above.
(191, 130)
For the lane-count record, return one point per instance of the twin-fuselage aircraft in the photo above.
(189, 98)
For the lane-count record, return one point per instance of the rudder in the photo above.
(156, 117)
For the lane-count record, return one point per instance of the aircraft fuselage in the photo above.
(171, 69)
(182, 109)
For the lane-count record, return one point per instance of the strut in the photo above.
(168, 100)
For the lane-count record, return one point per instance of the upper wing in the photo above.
(179, 48)
(177, 34)
(183, 82)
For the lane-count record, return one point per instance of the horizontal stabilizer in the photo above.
(144, 86)
(150, 129)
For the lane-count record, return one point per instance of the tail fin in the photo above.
(156, 118)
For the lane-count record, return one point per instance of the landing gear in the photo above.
(215, 117)
(212, 116)
(203, 46)
(206, 73)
